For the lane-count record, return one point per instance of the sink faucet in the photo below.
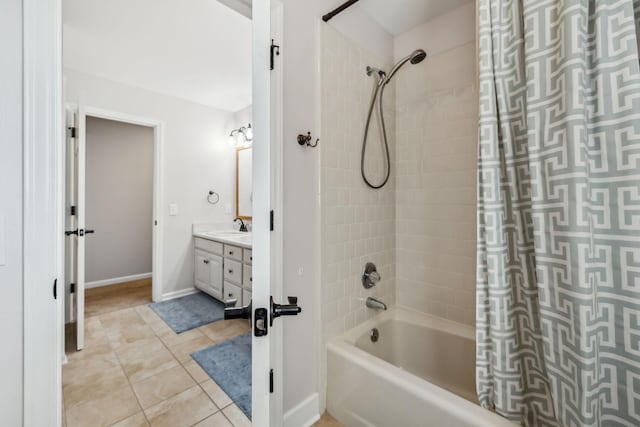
(374, 303)
(243, 226)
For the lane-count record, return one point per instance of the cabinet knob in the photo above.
(206, 261)
(230, 252)
(230, 271)
(251, 279)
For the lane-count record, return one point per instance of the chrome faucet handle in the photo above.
(370, 276)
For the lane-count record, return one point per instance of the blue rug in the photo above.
(229, 365)
(189, 312)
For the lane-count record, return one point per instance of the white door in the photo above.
(266, 275)
(75, 218)
(70, 207)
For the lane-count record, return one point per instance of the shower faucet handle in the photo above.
(370, 276)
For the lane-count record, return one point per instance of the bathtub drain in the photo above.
(374, 334)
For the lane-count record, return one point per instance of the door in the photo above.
(75, 218)
(70, 218)
(266, 275)
(203, 277)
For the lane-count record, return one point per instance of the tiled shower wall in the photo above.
(358, 223)
(436, 107)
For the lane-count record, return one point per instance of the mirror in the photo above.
(244, 191)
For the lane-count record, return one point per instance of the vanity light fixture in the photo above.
(242, 135)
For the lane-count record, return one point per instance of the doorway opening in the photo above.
(161, 360)
(119, 219)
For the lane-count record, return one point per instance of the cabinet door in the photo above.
(233, 291)
(202, 275)
(215, 275)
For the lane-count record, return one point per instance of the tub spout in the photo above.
(374, 303)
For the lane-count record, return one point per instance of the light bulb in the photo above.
(249, 133)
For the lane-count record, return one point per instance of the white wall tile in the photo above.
(420, 228)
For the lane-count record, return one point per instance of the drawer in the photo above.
(209, 246)
(247, 256)
(246, 276)
(233, 252)
(233, 291)
(232, 271)
(246, 297)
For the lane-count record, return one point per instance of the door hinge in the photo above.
(71, 131)
(73, 210)
(271, 220)
(271, 381)
(72, 288)
(275, 50)
(55, 289)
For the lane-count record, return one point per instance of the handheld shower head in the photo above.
(416, 57)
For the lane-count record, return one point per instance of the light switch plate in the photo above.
(173, 209)
(3, 241)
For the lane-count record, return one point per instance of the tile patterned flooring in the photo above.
(135, 371)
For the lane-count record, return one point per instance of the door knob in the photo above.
(291, 309)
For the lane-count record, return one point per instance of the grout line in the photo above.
(128, 379)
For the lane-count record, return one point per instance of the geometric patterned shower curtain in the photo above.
(558, 278)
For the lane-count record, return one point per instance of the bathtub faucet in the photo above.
(374, 303)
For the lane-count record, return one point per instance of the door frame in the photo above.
(44, 189)
(43, 216)
(158, 147)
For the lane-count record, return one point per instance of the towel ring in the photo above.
(213, 197)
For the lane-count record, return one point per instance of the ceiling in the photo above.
(201, 53)
(399, 16)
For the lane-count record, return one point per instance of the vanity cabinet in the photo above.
(223, 271)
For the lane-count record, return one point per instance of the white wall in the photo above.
(197, 158)
(11, 325)
(302, 335)
(455, 28)
(119, 199)
(437, 122)
(243, 117)
(362, 30)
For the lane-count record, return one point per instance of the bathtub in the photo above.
(420, 372)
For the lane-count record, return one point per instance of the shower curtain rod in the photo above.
(339, 9)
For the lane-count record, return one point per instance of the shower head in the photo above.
(416, 57)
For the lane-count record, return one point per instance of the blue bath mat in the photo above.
(189, 312)
(229, 365)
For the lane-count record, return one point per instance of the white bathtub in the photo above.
(420, 372)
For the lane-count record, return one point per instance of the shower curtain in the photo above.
(558, 277)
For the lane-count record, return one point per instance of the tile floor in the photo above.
(135, 371)
(106, 299)
(327, 421)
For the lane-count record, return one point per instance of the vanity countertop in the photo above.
(229, 237)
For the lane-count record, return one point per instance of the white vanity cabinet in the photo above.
(223, 270)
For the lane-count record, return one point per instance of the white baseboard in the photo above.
(116, 280)
(305, 414)
(178, 294)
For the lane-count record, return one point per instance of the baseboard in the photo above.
(305, 414)
(178, 294)
(116, 280)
